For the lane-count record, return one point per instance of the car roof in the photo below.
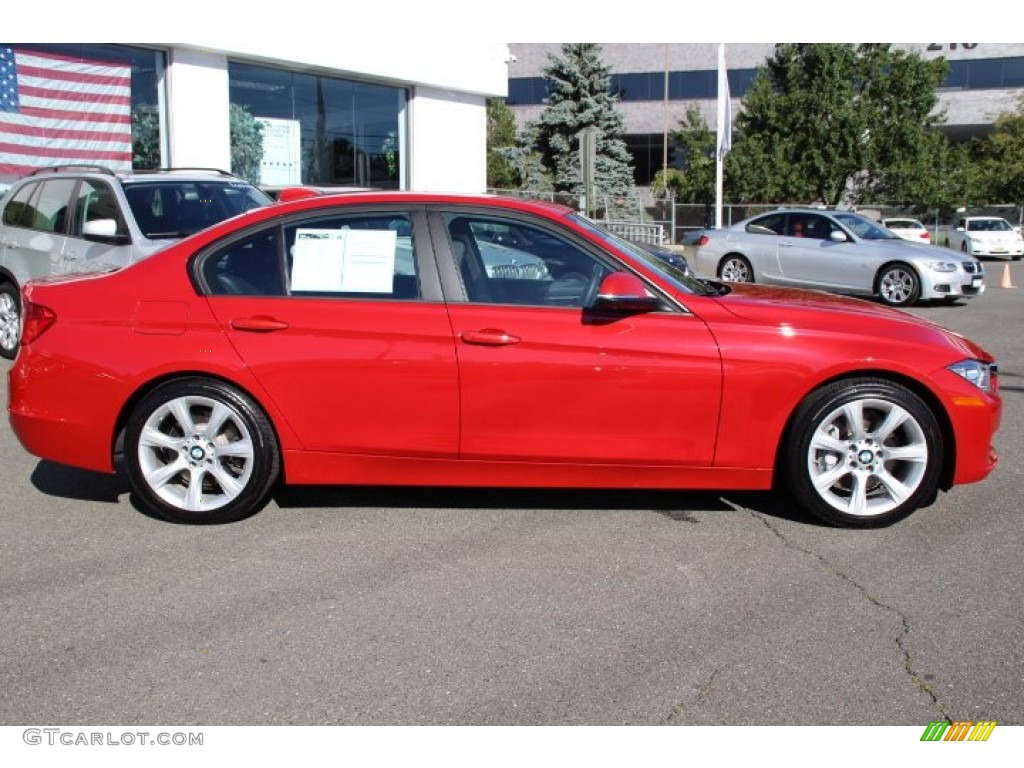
(406, 196)
(135, 175)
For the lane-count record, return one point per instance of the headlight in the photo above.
(976, 372)
(941, 266)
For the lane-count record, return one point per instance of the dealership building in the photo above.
(656, 82)
(362, 114)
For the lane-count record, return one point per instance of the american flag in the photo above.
(58, 109)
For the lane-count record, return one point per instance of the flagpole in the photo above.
(723, 131)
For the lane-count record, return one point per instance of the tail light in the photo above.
(703, 240)
(36, 320)
(925, 235)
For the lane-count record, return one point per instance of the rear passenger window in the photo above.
(248, 267)
(18, 212)
(354, 257)
(52, 205)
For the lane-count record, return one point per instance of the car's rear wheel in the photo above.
(898, 285)
(863, 453)
(200, 451)
(736, 269)
(10, 321)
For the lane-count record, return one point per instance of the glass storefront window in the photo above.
(79, 103)
(321, 130)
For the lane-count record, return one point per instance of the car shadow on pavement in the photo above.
(72, 483)
(682, 506)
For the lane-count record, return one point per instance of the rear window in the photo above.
(178, 208)
(903, 224)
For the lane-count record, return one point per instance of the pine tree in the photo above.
(579, 97)
(501, 139)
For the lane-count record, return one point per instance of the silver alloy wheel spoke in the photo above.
(859, 498)
(893, 420)
(196, 453)
(868, 457)
(159, 477)
(854, 413)
(900, 492)
(9, 322)
(154, 438)
(180, 409)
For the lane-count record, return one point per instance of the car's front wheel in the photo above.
(736, 269)
(899, 285)
(200, 451)
(10, 321)
(863, 453)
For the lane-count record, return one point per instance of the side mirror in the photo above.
(623, 292)
(838, 236)
(102, 229)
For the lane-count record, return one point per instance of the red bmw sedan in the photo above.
(422, 339)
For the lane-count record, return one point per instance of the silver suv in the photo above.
(71, 218)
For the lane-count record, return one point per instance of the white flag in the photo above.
(724, 106)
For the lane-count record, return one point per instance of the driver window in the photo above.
(506, 261)
(95, 202)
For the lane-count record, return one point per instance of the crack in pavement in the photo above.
(916, 679)
(680, 708)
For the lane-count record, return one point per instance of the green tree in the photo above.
(246, 144)
(146, 137)
(695, 149)
(502, 143)
(832, 122)
(579, 97)
(999, 158)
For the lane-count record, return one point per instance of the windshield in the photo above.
(673, 274)
(864, 228)
(177, 208)
(988, 225)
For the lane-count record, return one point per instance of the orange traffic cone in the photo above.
(1006, 282)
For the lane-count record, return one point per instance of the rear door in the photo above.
(35, 222)
(339, 316)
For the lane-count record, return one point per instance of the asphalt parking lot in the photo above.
(448, 607)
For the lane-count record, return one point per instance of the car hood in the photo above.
(817, 310)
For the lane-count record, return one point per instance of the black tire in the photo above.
(866, 477)
(221, 477)
(735, 269)
(10, 321)
(898, 285)
(963, 247)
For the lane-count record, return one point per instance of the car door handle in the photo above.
(259, 323)
(489, 337)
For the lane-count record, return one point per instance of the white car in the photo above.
(986, 236)
(909, 229)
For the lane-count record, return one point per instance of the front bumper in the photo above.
(966, 282)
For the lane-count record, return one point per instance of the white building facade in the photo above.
(398, 117)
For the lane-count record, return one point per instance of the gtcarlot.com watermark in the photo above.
(72, 738)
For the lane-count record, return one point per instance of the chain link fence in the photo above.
(665, 222)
